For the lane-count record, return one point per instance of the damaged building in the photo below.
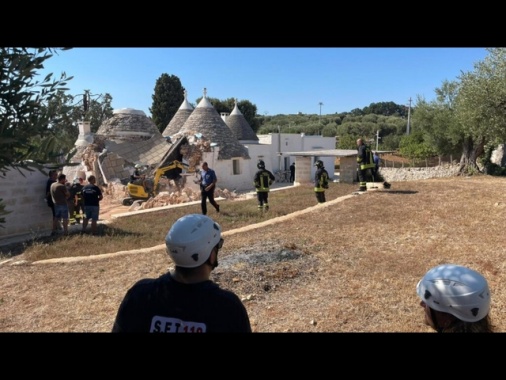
(194, 135)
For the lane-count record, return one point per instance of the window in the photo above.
(236, 167)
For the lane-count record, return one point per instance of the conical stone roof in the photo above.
(182, 114)
(205, 120)
(240, 126)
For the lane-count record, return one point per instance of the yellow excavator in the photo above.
(149, 186)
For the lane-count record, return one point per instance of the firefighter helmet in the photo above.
(261, 164)
(318, 164)
(191, 239)
(456, 290)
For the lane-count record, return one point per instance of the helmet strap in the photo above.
(215, 264)
(442, 321)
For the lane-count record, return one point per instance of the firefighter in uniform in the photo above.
(321, 181)
(365, 162)
(70, 203)
(263, 180)
(77, 200)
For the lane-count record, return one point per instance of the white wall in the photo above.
(24, 195)
(294, 142)
(268, 149)
(225, 172)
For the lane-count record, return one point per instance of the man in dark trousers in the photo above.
(208, 181)
(60, 194)
(292, 172)
(263, 180)
(52, 175)
(76, 203)
(365, 162)
(377, 162)
(92, 196)
(185, 299)
(321, 181)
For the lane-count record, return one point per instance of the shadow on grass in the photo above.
(398, 192)
(74, 237)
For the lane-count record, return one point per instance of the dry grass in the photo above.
(346, 266)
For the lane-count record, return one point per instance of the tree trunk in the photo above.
(471, 151)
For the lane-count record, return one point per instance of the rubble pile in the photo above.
(192, 152)
(169, 194)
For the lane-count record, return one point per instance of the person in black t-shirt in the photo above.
(185, 300)
(92, 195)
(52, 175)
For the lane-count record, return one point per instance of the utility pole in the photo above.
(320, 120)
(279, 148)
(409, 117)
(377, 138)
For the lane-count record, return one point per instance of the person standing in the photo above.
(292, 172)
(262, 180)
(77, 199)
(70, 203)
(59, 195)
(365, 162)
(321, 181)
(52, 175)
(208, 181)
(92, 195)
(375, 171)
(455, 299)
(376, 161)
(184, 300)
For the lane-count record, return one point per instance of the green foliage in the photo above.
(390, 142)
(99, 110)
(386, 109)
(414, 147)
(480, 106)
(329, 130)
(58, 145)
(347, 142)
(481, 102)
(167, 98)
(357, 112)
(24, 114)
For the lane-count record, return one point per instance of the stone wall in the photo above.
(415, 173)
(23, 194)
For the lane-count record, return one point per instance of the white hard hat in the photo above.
(138, 166)
(456, 290)
(191, 239)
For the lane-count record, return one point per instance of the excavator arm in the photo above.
(172, 171)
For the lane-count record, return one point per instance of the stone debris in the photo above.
(169, 194)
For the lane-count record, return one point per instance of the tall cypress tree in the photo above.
(167, 98)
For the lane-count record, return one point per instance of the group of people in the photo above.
(185, 300)
(455, 298)
(263, 178)
(66, 201)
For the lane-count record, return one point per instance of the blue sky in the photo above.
(276, 80)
